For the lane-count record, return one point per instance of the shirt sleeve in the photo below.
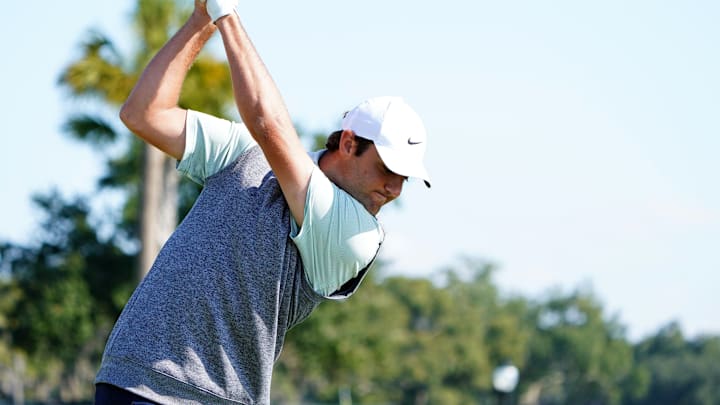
(211, 144)
(338, 238)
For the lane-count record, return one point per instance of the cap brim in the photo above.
(402, 165)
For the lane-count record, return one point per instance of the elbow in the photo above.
(134, 117)
(129, 116)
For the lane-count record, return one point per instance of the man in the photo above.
(274, 232)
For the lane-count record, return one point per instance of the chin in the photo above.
(373, 208)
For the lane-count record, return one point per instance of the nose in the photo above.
(394, 185)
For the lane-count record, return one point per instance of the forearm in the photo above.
(158, 88)
(257, 97)
(264, 113)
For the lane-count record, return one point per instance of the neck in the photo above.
(328, 163)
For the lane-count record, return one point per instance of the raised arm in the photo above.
(264, 113)
(151, 111)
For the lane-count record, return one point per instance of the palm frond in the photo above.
(90, 128)
(98, 72)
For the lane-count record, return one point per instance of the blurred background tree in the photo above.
(62, 293)
(576, 354)
(680, 371)
(158, 196)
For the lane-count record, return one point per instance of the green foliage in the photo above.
(414, 341)
(680, 371)
(61, 295)
(105, 75)
(576, 356)
(405, 341)
(398, 340)
(90, 129)
(99, 72)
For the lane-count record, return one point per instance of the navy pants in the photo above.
(106, 394)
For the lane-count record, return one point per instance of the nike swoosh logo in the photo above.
(411, 142)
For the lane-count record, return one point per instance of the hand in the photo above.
(201, 10)
(220, 8)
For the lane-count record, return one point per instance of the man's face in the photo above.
(369, 181)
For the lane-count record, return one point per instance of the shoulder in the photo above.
(339, 237)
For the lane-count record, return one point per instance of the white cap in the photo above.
(397, 132)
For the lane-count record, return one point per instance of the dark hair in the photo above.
(333, 143)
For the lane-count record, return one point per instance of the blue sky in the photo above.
(571, 143)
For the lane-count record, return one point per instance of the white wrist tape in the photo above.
(220, 8)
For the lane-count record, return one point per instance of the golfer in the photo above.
(275, 231)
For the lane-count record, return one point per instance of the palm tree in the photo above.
(101, 73)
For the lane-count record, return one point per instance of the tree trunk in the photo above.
(158, 213)
(532, 394)
(18, 389)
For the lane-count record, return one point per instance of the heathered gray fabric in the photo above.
(208, 321)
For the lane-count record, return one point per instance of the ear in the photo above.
(348, 143)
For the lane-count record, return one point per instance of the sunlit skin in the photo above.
(364, 177)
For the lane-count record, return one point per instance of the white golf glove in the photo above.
(220, 8)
